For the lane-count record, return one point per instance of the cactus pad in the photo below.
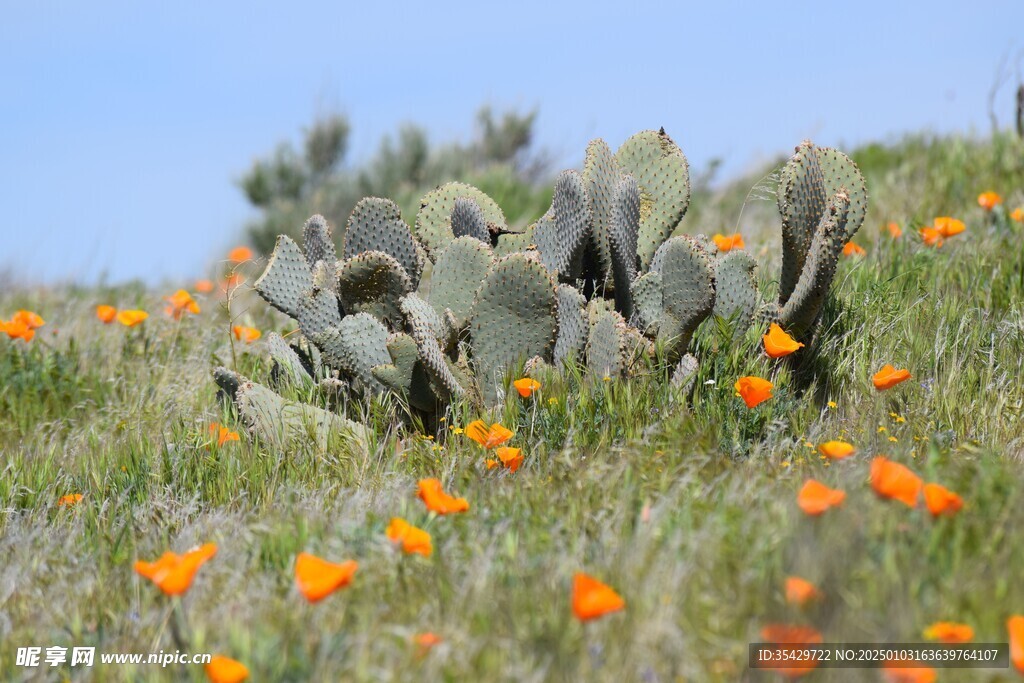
(663, 175)
(513, 319)
(373, 282)
(406, 374)
(286, 278)
(572, 324)
(685, 374)
(318, 310)
(420, 316)
(606, 345)
(356, 345)
(623, 242)
(688, 289)
(601, 175)
(288, 367)
(800, 312)
(736, 294)
(376, 225)
(648, 302)
(562, 233)
(317, 242)
(468, 220)
(434, 220)
(457, 274)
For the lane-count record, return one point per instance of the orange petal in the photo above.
(948, 226)
(753, 390)
(240, 254)
(222, 669)
(837, 450)
(246, 334)
(800, 591)
(426, 642)
(131, 318)
(888, 377)
(791, 635)
(173, 573)
(815, 498)
(931, 236)
(989, 200)
(1017, 215)
(477, 431)
(778, 344)
(437, 500)
(895, 231)
(853, 249)
(592, 599)
(900, 672)
(412, 539)
(895, 481)
(941, 500)
(317, 578)
(29, 319)
(69, 500)
(204, 286)
(106, 314)
(1015, 630)
(526, 386)
(510, 457)
(949, 632)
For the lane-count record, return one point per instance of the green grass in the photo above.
(122, 416)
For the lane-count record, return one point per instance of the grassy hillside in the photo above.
(685, 504)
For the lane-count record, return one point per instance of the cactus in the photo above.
(663, 175)
(468, 220)
(561, 234)
(420, 318)
(601, 177)
(800, 312)
(287, 365)
(623, 242)
(457, 274)
(648, 302)
(606, 345)
(318, 310)
(287, 277)
(376, 225)
(685, 373)
(434, 220)
(736, 294)
(572, 325)
(356, 345)
(373, 282)
(405, 374)
(513, 319)
(688, 290)
(317, 241)
(810, 179)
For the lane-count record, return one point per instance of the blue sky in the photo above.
(123, 125)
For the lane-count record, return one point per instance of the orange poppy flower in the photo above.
(204, 286)
(592, 599)
(786, 636)
(837, 450)
(1015, 629)
(437, 500)
(941, 501)
(526, 386)
(131, 318)
(888, 377)
(894, 229)
(173, 573)
(240, 254)
(753, 390)
(907, 671)
(801, 591)
(488, 437)
(179, 303)
(318, 578)
(246, 334)
(931, 236)
(508, 457)
(815, 498)
(989, 200)
(1017, 215)
(853, 249)
(892, 480)
(949, 632)
(28, 319)
(221, 669)
(222, 433)
(949, 226)
(17, 329)
(106, 314)
(729, 242)
(412, 539)
(69, 500)
(778, 344)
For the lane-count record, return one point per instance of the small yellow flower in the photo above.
(893, 415)
(832, 404)
(553, 401)
(457, 430)
(893, 439)
(786, 464)
(881, 428)
(900, 418)
(606, 378)
(808, 444)
(443, 419)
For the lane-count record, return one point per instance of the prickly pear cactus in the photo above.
(601, 176)
(736, 294)
(688, 290)
(468, 220)
(513, 319)
(287, 277)
(561, 234)
(318, 242)
(356, 345)
(373, 282)
(458, 272)
(571, 324)
(434, 220)
(623, 242)
(376, 225)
